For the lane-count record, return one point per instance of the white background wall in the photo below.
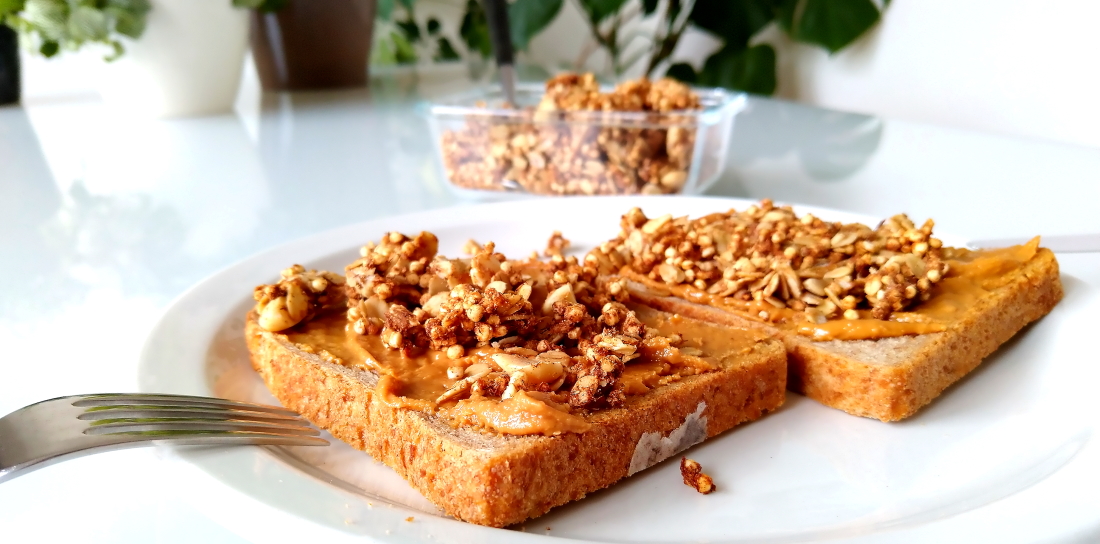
(1022, 67)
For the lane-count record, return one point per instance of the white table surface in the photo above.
(104, 220)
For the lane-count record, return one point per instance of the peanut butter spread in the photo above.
(511, 346)
(418, 381)
(536, 346)
(823, 280)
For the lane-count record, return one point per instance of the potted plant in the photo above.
(742, 63)
(188, 62)
(51, 26)
(310, 44)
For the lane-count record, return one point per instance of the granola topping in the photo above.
(783, 262)
(549, 154)
(299, 295)
(504, 326)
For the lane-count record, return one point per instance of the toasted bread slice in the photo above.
(499, 480)
(892, 378)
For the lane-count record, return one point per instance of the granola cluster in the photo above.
(555, 328)
(768, 254)
(692, 472)
(299, 295)
(555, 148)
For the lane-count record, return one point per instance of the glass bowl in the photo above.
(485, 148)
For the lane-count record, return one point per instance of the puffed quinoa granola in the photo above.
(558, 328)
(768, 254)
(551, 151)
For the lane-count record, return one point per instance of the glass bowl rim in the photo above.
(722, 102)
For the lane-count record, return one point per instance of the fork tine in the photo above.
(202, 437)
(126, 399)
(125, 426)
(158, 412)
(53, 430)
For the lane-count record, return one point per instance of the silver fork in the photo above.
(67, 427)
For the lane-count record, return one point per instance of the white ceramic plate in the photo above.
(804, 473)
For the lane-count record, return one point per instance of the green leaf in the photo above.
(445, 51)
(649, 6)
(49, 48)
(750, 70)
(116, 51)
(404, 53)
(598, 10)
(528, 17)
(127, 23)
(88, 24)
(384, 9)
(48, 17)
(266, 6)
(832, 24)
(410, 30)
(434, 26)
(475, 29)
(271, 6)
(136, 7)
(382, 53)
(683, 72)
(8, 7)
(735, 21)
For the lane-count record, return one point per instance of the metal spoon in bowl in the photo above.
(496, 11)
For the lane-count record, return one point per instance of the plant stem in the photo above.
(608, 40)
(590, 46)
(673, 32)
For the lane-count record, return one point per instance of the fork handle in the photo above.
(54, 430)
(119, 442)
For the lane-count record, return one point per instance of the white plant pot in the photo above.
(188, 62)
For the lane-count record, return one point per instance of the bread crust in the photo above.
(891, 379)
(500, 480)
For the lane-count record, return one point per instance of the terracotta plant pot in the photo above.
(9, 66)
(313, 44)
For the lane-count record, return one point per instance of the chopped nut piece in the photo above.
(298, 296)
(561, 294)
(517, 381)
(692, 473)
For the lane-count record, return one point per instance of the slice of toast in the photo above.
(498, 480)
(892, 378)
(977, 301)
